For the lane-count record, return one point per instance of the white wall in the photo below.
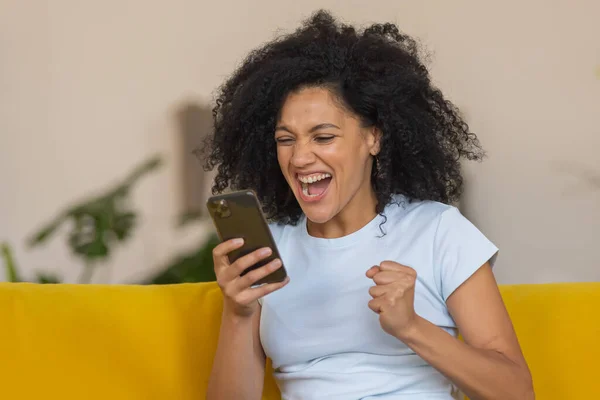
(89, 89)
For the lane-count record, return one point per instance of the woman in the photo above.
(355, 157)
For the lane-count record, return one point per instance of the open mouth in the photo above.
(314, 186)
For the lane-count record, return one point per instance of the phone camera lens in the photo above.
(223, 209)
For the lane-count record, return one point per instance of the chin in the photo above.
(319, 212)
(318, 216)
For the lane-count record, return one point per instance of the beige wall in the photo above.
(89, 89)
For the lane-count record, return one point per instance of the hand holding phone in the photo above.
(240, 290)
(247, 263)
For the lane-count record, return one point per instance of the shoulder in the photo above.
(447, 223)
(417, 212)
(457, 247)
(427, 212)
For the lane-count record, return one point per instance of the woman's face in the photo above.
(325, 155)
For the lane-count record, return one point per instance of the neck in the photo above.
(359, 211)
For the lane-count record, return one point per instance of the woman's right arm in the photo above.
(239, 364)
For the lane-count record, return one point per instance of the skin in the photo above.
(488, 364)
(239, 352)
(315, 134)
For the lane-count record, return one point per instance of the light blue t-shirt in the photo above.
(324, 340)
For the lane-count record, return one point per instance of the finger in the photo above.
(261, 291)
(376, 305)
(222, 249)
(236, 268)
(251, 277)
(394, 266)
(379, 290)
(372, 271)
(387, 277)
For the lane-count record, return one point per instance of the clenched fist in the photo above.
(393, 296)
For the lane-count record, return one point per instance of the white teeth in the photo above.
(313, 178)
(306, 180)
(305, 191)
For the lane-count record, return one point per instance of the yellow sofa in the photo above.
(157, 342)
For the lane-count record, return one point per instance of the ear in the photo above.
(374, 140)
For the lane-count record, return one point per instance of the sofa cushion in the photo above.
(157, 342)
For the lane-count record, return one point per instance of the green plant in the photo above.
(12, 274)
(99, 224)
(197, 266)
(9, 263)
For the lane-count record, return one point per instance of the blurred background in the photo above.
(103, 103)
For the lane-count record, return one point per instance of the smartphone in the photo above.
(239, 215)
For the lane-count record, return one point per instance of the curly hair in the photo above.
(378, 75)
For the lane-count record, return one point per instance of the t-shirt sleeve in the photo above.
(460, 249)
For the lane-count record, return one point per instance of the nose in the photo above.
(302, 155)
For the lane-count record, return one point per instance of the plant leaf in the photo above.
(196, 266)
(47, 278)
(46, 232)
(123, 225)
(9, 263)
(98, 223)
(148, 166)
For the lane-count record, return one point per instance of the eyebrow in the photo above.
(315, 128)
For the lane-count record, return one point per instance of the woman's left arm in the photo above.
(489, 363)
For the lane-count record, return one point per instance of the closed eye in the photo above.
(324, 139)
(285, 141)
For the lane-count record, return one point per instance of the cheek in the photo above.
(280, 157)
(348, 161)
(352, 169)
(283, 158)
